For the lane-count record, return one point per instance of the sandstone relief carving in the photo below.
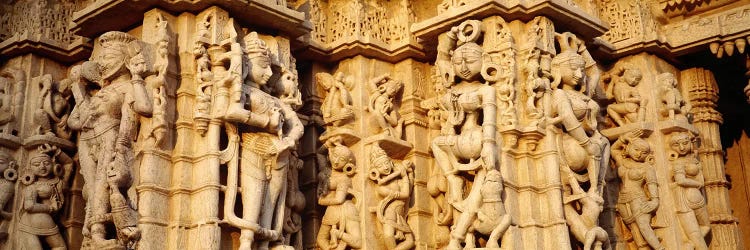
(12, 85)
(394, 184)
(382, 107)
(672, 106)
(629, 107)
(54, 108)
(337, 106)
(262, 159)
(687, 185)
(46, 176)
(184, 110)
(7, 190)
(339, 227)
(639, 196)
(107, 119)
(584, 151)
(466, 143)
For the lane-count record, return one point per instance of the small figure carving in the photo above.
(672, 104)
(537, 83)
(381, 106)
(42, 197)
(12, 87)
(271, 132)
(337, 106)
(339, 227)
(7, 190)
(636, 171)
(158, 84)
(107, 121)
(204, 77)
(688, 181)
(295, 204)
(394, 185)
(629, 107)
(53, 107)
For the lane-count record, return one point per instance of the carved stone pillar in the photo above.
(702, 92)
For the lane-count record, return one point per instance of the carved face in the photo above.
(638, 150)
(467, 61)
(632, 77)
(340, 156)
(681, 144)
(111, 62)
(667, 81)
(571, 74)
(41, 165)
(385, 168)
(4, 161)
(260, 69)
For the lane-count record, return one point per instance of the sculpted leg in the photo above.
(644, 224)
(100, 206)
(56, 242)
(324, 237)
(27, 241)
(253, 183)
(690, 225)
(498, 231)
(444, 160)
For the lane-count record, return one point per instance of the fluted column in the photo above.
(703, 94)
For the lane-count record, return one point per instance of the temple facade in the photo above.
(374, 124)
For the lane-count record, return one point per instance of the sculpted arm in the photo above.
(338, 198)
(681, 179)
(653, 188)
(489, 125)
(30, 204)
(295, 125)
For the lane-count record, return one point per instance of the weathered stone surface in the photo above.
(372, 124)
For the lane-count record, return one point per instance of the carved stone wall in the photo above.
(370, 124)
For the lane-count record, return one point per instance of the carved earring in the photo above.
(374, 175)
(28, 179)
(10, 174)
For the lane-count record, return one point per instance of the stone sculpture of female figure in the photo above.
(394, 185)
(636, 205)
(337, 106)
(576, 111)
(582, 148)
(7, 191)
(464, 137)
(467, 139)
(628, 102)
(271, 131)
(381, 106)
(108, 122)
(339, 227)
(672, 106)
(688, 181)
(42, 197)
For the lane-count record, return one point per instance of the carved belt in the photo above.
(37, 231)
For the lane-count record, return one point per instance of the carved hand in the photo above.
(275, 121)
(489, 156)
(137, 67)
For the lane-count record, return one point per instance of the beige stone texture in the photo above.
(374, 124)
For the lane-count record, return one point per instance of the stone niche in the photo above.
(367, 124)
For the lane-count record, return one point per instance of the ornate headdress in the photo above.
(118, 40)
(254, 46)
